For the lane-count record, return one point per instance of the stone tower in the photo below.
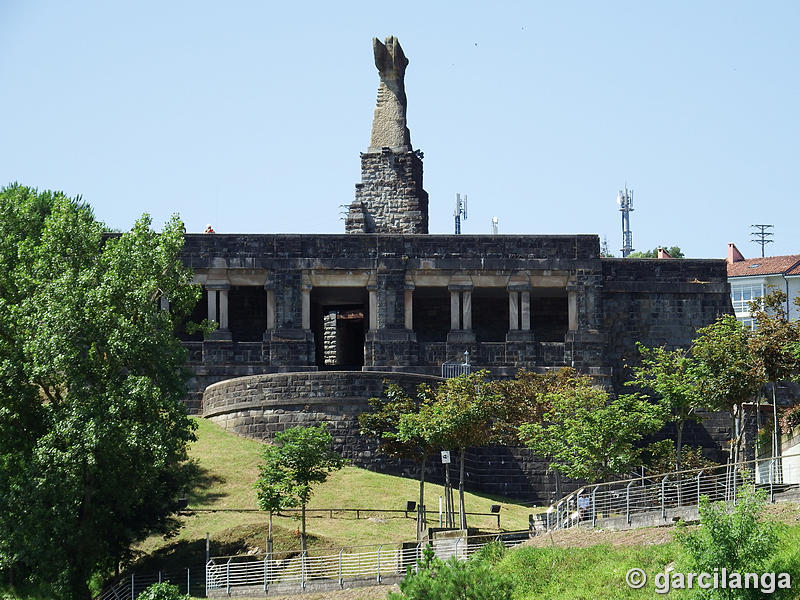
(390, 198)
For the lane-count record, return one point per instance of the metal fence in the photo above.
(665, 495)
(189, 581)
(365, 563)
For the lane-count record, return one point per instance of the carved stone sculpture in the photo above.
(389, 128)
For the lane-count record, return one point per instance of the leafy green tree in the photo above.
(673, 251)
(272, 487)
(454, 579)
(586, 436)
(726, 369)
(304, 456)
(459, 415)
(395, 423)
(93, 430)
(739, 541)
(772, 344)
(669, 374)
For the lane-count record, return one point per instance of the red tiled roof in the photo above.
(765, 266)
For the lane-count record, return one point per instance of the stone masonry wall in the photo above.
(259, 406)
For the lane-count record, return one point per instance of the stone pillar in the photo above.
(223, 309)
(218, 313)
(455, 309)
(306, 306)
(525, 297)
(269, 288)
(408, 308)
(513, 310)
(466, 302)
(212, 304)
(373, 306)
(572, 307)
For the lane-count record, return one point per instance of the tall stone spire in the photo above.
(389, 129)
(390, 197)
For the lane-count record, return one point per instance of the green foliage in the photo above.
(162, 591)
(453, 580)
(492, 553)
(727, 371)
(586, 436)
(93, 430)
(739, 541)
(301, 458)
(674, 252)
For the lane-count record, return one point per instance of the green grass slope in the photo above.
(228, 467)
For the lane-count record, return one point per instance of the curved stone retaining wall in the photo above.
(259, 406)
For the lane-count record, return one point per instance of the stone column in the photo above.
(212, 304)
(466, 301)
(218, 313)
(223, 309)
(572, 307)
(306, 306)
(455, 309)
(513, 310)
(269, 288)
(526, 311)
(373, 306)
(408, 308)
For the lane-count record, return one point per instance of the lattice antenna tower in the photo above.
(761, 236)
(495, 225)
(625, 201)
(461, 209)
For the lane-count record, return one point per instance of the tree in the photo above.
(303, 456)
(586, 436)
(726, 369)
(772, 344)
(673, 251)
(93, 430)
(400, 431)
(670, 375)
(273, 487)
(459, 415)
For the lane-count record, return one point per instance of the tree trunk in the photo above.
(269, 530)
(678, 447)
(303, 527)
(462, 513)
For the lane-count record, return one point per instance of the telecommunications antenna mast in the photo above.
(625, 201)
(461, 209)
(760, 236)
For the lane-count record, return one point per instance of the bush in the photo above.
(739, 541)
(162, 591)
(453, 580)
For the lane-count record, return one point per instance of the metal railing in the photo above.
(128, 587)
(366, 564)
(663, 496)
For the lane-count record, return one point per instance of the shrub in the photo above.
(162, 591)
(739, 541)
(453, 580)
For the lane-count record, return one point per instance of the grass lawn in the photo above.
(228, 467)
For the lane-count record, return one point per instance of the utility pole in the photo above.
(761, 236)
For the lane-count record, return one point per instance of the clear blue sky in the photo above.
(251, 115)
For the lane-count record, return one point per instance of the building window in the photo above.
(748, 323)
(741, 295)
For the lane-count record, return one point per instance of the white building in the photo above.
(751, 278)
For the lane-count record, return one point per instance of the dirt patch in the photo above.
(584, 537)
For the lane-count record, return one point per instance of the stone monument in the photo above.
(390, 197)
